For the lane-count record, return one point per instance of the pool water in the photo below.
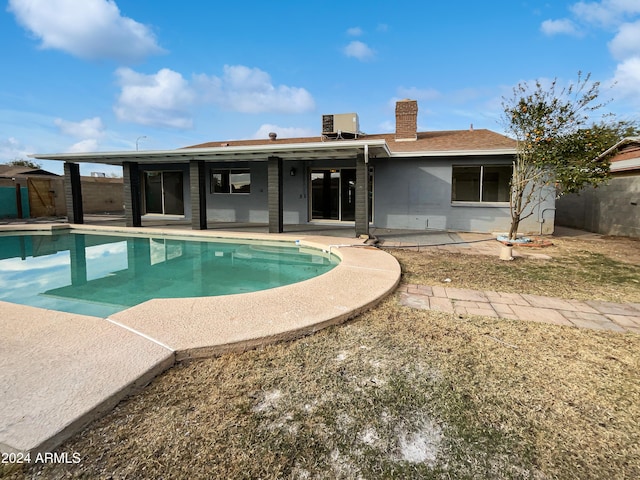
(98, 275)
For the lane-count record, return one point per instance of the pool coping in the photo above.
(160, 332)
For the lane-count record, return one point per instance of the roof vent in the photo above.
(273, 136)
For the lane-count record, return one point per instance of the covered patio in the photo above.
(281, 159)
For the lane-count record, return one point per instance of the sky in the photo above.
(116, 75)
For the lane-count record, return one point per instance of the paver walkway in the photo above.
(584, 314)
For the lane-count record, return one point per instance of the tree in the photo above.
(559, 149)
(24, 163)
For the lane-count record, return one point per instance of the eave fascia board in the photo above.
(456, 153)
(625, 165)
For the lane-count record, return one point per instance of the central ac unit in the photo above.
(340, 123)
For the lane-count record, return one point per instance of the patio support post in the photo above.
(198, 192)
(274, 194)
(362, 195)
(132, 194)
(73, 192)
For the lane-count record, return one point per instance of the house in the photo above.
(27, 192)
(42, 193)
(453, 180)
(610, 209)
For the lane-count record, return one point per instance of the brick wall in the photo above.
(406, 120)
(102, 194)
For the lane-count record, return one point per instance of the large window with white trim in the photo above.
(481, 183)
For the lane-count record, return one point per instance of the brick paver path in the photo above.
(588, 314)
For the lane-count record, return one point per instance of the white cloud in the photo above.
(619, 16)
(167, 99)
(607, 12)
(284, 132)
(88, 128)
(627, 79)
(250, 90)
(89, 29)
(359, 50)
(559, 27)
(11, 149)
(626, 43)
(87, 145)
(354, 31)
(161, 99)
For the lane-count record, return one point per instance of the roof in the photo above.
(9, 171)
(436, 141)
(443, 143)
(627, 157)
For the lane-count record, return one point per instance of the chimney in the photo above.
(406, 120)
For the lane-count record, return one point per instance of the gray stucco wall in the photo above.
(416, 194)
(609, 209)
(409, 193)
(253, 207)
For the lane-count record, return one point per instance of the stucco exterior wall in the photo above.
(415, 193)
(409, 193)
(240, 207)
(610, 209)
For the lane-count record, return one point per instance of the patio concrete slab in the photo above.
(59, 371)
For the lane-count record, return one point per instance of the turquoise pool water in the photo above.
(99, 275)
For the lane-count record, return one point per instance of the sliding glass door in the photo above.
(333, 194)
(163, 193)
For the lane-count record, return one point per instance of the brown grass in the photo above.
(607, 270)
(397, 393)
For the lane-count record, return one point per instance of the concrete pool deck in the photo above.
(59, 371)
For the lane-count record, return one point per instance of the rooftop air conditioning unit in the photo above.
(340, 123)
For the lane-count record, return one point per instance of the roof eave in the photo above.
(228, 153)
(457, 153)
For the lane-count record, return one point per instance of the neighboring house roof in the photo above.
(627, 157)
(10, 171)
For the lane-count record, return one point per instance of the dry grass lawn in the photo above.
(400, 393)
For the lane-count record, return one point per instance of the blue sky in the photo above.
(103, 75)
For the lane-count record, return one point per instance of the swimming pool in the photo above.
(99, 274)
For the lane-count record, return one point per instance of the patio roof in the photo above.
(288, 151)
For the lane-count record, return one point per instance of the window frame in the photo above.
(481, 183)
(226, 181)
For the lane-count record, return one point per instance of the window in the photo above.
(481, 183)
(231, 181)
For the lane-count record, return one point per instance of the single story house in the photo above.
(441, 180)
(610, 209)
